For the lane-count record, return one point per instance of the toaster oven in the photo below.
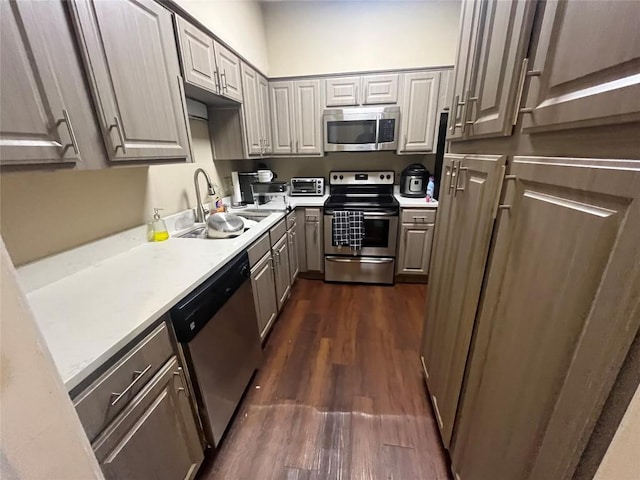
(310, 186)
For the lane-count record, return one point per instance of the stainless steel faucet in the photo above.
(201, 213)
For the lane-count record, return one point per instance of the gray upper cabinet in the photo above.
(282, 114)
(156, 435)
(469, 22)
(198, 57)
(419, 112)
(576, 85)
(228, 65)
(251, 111)
(491, 100)
(265, 115)
(307, 117)
(380, 89)
(342, 91)
(132, 64)
(39, 121)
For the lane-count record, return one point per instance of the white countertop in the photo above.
(406, 202)
(87, 316)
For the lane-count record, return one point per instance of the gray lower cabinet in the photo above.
(313, 240)
(294, 265)
(264, 293)
(131, 61)
(156, 435)
(415, 249)
(282, 274)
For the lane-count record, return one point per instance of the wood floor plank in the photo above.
(341, 394)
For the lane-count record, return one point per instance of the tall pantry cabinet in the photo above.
(533, 300)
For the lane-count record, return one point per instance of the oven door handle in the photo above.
(360, 260)
(367, 215)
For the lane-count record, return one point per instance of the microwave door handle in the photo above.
(377, 129)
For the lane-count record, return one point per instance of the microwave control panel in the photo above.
(387, 130)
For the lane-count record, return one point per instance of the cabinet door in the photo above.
(557, 317)
(415, 249)
(314, 248)
(264, 293)
(251, 111)
(380, 89)
(502, 45)
(342, 91)
(282, 116)
(474, 194)
(283, 285)
(308, 117)
(132, 64)
(265, 115)
(294, 267)
(35, 120)
(229, 69)
(580, 86)
(198, 56)
(156, 435)
(469, 22)
(419, 112)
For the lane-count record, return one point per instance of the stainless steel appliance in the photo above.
(361, 129)
(371, 193)
(310, 186)
(414, 180)
(217, 329)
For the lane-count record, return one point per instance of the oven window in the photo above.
(352, 131)
(376, 234)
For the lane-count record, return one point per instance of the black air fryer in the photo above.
(414, 180)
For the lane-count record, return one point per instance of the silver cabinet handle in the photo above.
(296, 146)
(183, 388)
(273, 267)
(451, 179)
(216, 79)
(452, 123)
(224, 78)
(138, 375)
(405, 141)
(118, 126)
(291, 146)
(523, 75)
(72, 135)
(460, 169)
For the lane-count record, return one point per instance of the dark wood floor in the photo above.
(340, 394)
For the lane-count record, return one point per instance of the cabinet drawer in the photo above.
(277, 231)
(418, 216)
(258, 249)
(291, 220)
(312, 214)
(110, 393)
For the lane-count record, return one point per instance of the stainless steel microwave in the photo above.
(361, 129)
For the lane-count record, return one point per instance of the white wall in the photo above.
(42, 213)
(318, 37)
(239, 23)
(40, 434)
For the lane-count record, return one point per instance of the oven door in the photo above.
(380, 235)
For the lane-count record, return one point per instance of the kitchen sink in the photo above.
(200, 231)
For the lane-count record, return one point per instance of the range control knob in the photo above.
(335, 177)
(388, 177)
(381, 177)
(341, 177)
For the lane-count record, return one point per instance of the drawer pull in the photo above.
(138, 375)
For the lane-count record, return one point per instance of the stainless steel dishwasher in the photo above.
(217, 328)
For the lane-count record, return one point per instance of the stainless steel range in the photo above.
(372, 194)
